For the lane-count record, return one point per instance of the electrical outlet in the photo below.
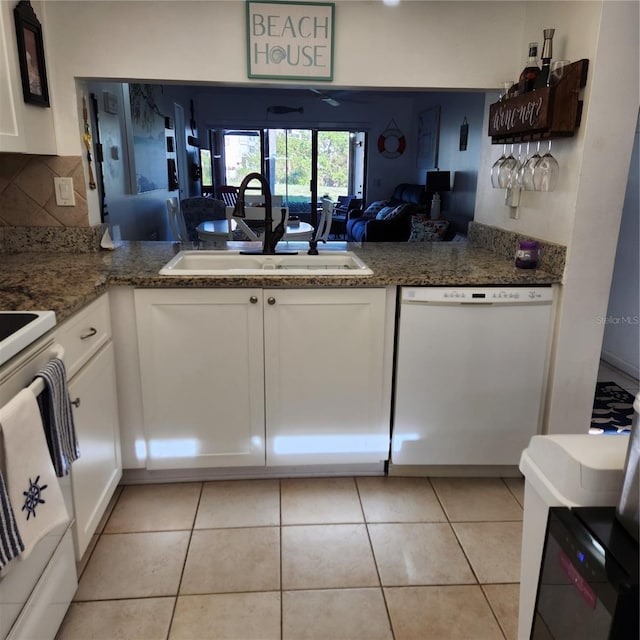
(65, 196)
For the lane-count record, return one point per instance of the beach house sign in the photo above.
(292, 41)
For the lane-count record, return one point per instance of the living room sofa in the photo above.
(388, 220)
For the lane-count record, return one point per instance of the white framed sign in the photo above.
(290, 40)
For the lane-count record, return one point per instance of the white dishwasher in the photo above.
(471, 370)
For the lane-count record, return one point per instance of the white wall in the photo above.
(542, 215)
(600, 178)
(621, 344)
(465, 45)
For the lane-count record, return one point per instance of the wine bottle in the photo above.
(547, 53)
(531, 71)
(513, 91)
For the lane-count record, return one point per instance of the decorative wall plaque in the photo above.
(292, 41)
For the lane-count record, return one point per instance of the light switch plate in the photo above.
(65, 196)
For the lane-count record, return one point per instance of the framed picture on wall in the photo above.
(290, 40)
(148, 144)
(428, 138)
(31, 55)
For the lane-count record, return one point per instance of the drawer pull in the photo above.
(76, 402)
(253, 299)
(92, 332)
(271, 300)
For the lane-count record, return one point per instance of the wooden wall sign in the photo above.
(526, 113)
(551, 112)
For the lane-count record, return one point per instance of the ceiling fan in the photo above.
(282, 109)
(326, 97)
(338, 98)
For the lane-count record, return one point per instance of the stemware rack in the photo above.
(543, 114)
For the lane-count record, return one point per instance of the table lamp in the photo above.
(437, 181)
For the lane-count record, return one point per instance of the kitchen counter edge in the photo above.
(66, 282)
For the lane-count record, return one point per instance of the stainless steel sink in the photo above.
(234, 263)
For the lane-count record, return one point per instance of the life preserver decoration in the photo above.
(391, 142)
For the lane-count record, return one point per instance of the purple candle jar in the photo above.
(527, 254)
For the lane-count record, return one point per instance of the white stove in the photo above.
(18, 329)
(35, 591)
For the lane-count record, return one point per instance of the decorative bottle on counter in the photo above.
(527, 254)
(547, 53)
(531, 71)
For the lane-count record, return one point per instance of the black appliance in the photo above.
(588, 585)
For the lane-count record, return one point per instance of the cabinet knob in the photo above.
(76, 402)
(92, 332)
(271, 300)
(253, 299)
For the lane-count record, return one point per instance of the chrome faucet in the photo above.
(271, 236)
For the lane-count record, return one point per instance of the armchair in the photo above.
(387, 220)
(343, 206)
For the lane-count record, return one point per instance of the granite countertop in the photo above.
(66, 282)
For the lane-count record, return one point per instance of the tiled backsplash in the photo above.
(29, 215)
(27, 197)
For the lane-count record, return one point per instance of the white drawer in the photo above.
(84, 333)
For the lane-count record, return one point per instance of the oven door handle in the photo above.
(37, 386)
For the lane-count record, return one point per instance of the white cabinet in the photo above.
(201, 362)
(24, 128)
(89, 357)
(95, 475)
(248, 377)
(326, 391)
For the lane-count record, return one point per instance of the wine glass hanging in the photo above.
(528, 172)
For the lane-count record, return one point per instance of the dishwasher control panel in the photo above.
(502, 295)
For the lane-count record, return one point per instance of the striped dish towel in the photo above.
(57, 417)
(11, 545)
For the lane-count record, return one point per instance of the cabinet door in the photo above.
(202, 370)
(23, 128)
(10, 118)
(326, 391)
(96, 473)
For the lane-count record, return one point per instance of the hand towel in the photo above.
(11, 545)
(34, 491)
(57, 417)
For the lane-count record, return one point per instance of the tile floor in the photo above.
(367, 558)
(607, 372)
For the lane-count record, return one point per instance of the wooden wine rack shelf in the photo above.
(543, 114)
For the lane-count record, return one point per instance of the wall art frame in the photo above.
(33, 70)
(290, 40)
(428, 138)
(146, 138)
